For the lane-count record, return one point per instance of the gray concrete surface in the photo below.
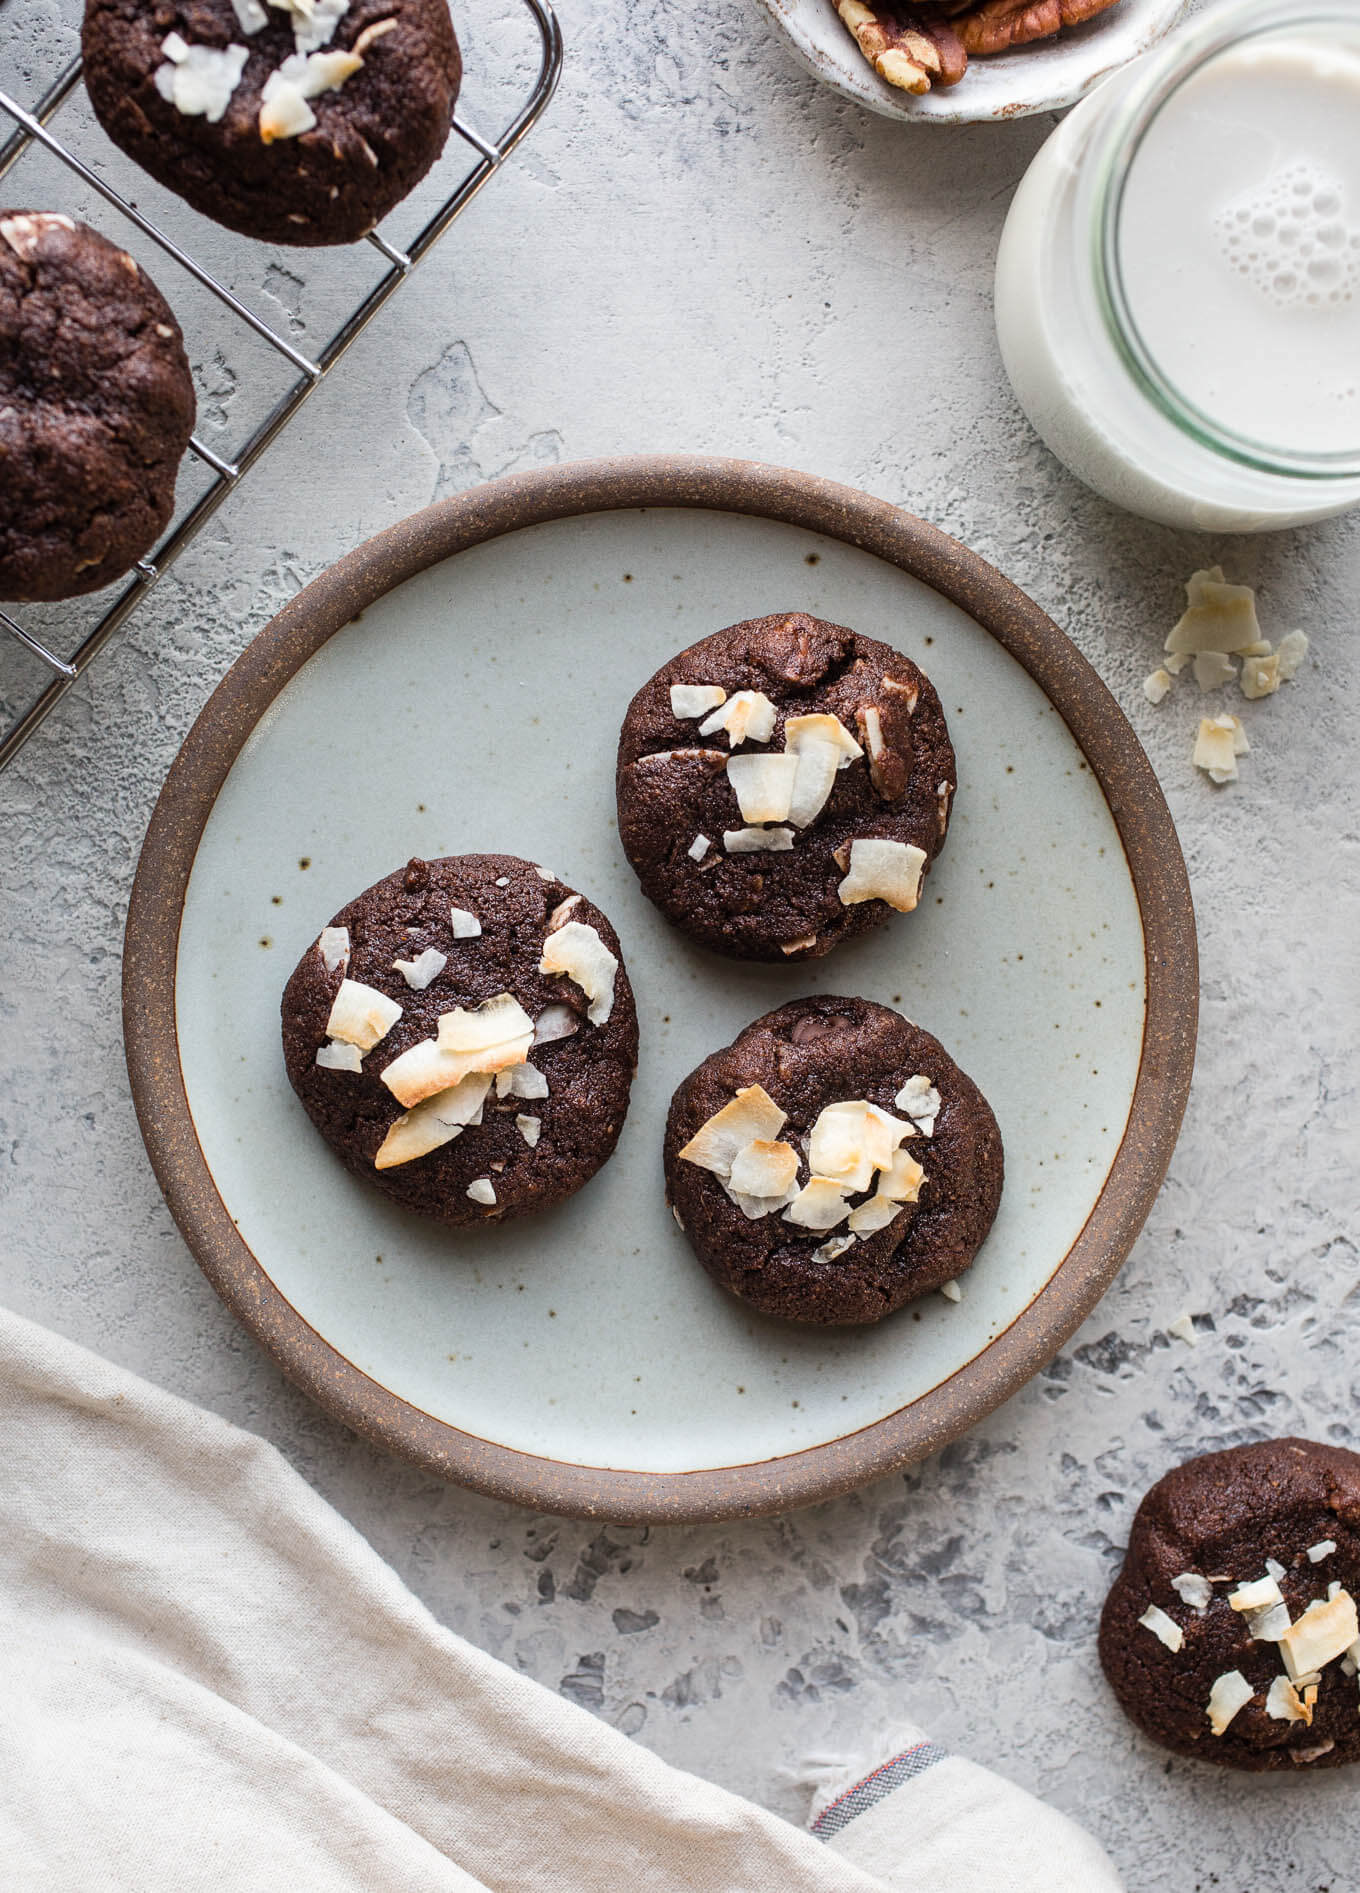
(701, 249)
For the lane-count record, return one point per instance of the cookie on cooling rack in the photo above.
(295, 121)
(1231, 1633)
(96, 408)
(832, 1163)
(784, 785)
(464, 1037)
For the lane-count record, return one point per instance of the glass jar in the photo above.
(1178, 283)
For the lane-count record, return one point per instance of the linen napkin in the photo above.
(214, 1683)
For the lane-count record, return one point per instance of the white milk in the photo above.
(1232, 264)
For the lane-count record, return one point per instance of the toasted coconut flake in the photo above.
(1220, 618)
(1260, 676)
(816, 765)
(422, 971)
(833, 1250)
(333, 946)
(852, 1139)
(1301, 1756)
(1291, 651)
(757, 840)
(361, 1015)
(1284, 1703)
(952, 1291)
(904, 1181)
(1322, 1633)
(521, 1081)
(1275, 1569)
(1323, 1549)
(751, 1116)
(1194, 1590)
(529, 1128)
(339, 1057)
(577, 952)
(1157, 685)
(799, 730)
(1257, 1596)
(883, 870)
(763, 1168)
(483, 1190)
(199, 80)
(563, 912)
(691, 700)
(763, 785)
(820, 1204)
(465, 926)
(555, 1022)
(874, 1214)
(434, 1123)
(378, 30)
(1183, 1328)
(1216, 747)
(1230, 1693)
(489, 1037)
(921, 1102)
(749, 716)
(699, 847)
(798, 946)
(1268, 1625)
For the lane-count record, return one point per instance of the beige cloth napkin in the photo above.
(212, 1684)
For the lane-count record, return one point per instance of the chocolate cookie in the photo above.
(463, 1035)
(296, 121)
(783, 785)
(1231, 1633)
(96, 408)
(832, 1163)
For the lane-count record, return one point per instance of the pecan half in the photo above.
(994, 26)
(908, 46)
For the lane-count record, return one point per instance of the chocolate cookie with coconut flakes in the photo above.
(1231, 1633)
(295, 121)
(832, 1163)
(96, 408)
(464, 1037)
(783, 785)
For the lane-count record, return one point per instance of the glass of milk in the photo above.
(1178, 285)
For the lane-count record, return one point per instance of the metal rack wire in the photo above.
(32, 128)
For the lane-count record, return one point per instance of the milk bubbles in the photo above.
(1294, 237)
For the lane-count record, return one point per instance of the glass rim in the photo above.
(1187, 53)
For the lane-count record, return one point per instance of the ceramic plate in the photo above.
(1043, 78)
(457, 684)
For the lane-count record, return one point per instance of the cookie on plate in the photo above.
(295, 121)
(783, 785)
(1230, 1634)
(96, 408)
(832, 1163)
(464, 1037)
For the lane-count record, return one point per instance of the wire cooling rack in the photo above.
(305, 369)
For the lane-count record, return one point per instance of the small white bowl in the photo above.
(1045, 77)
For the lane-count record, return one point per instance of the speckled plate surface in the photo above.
(1041, 78)
(458, 683)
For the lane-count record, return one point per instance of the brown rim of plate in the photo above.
(468, 519)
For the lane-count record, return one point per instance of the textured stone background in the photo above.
(702, 249)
